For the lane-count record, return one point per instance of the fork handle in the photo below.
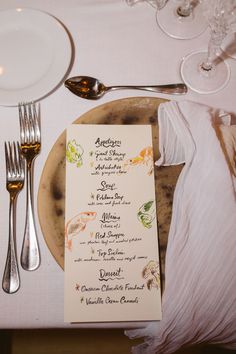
(30, 255)
(11, 278)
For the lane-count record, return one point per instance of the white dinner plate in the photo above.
(36, 54)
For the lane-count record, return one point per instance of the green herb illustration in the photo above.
(74, 153)
(146, 214)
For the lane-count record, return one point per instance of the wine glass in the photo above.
(229, 43)
(182, 19)
(158, 4)
(206, 72)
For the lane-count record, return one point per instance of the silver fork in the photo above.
(30, 145)
(14, 184)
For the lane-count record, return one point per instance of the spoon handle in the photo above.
(171, 89)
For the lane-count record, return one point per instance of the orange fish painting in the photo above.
(76, 225)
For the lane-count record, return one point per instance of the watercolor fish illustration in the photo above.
(76, 225)
(145, 157)
(74, 153)
(151, 272)
(147, 214)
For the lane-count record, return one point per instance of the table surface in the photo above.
(120, 45)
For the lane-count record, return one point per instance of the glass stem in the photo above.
(159, 3)
(185, 9)
(207, 65)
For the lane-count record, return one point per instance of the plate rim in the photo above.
(65, 67)
(52, 152)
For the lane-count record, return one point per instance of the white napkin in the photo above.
(199, 300)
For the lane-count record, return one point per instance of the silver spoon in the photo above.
(92, 89)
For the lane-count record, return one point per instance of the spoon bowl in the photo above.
(86, 87)
(93, 89)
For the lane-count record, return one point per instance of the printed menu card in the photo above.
(112, 268)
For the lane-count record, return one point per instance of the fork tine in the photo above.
(30, 123)
(20, 161)
(7, 158)
(37, 122)
(26, 124)
(17, 159)
(15, 162)
(10, 159)
(22, 130)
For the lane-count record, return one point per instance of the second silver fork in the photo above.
(30, 144)
(14, 184)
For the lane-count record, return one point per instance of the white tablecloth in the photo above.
(118, 44)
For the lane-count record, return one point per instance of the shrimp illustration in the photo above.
(145, 157)
(76, 225)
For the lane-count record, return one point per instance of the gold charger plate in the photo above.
(51, 194)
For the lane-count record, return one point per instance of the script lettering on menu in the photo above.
(112, 268)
